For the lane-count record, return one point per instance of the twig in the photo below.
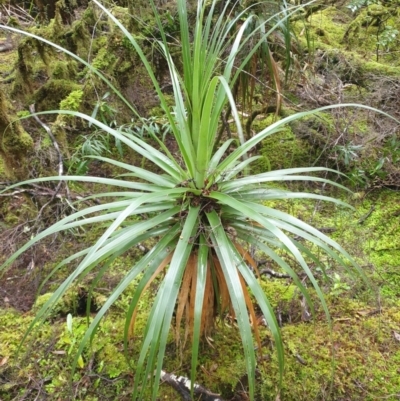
(43, 191)
(255, 113)
(7, 183)
(6, 46)
(182, 386)
(273, 273)
(366, 215)
(224, 117)
(53, 139)
(226, 125)
(60, 160)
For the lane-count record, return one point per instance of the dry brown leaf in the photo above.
(222, 288)
(363, 312)
(245, 255)
(4, 361)
(209, 312)
(184, 295)
(396, 335)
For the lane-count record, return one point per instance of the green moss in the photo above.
(124, 66)
(14, 326)
(72, 101)
(99, 43)
(17, 142)
(80, 38)
(103, 59)
(23, 113)
(223, 362)
(62, 306)
(31, 65)
(14, 141)
(361, 368)
(279, 292)
(114, 362)
(7, 61)
(49, 96)
(334, 30)
(383, 245)
(280, 150)
(69, 303)
(46, 143)
(63, 69)
(2, 169)
(122, 14)
(379, 68)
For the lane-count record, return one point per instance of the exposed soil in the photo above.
(20, 283)
(18, 289)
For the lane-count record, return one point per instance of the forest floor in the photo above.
(356, 358)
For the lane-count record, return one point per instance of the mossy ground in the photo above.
(346, 65)
(281, 150)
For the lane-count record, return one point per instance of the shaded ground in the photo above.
(18, 290)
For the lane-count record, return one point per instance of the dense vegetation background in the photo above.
(340, 52)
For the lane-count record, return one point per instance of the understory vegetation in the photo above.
(175, 199)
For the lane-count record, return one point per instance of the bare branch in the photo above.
(182, 386)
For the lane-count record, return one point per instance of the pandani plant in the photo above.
(202, 208)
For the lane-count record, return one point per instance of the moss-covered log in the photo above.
(15, 143)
